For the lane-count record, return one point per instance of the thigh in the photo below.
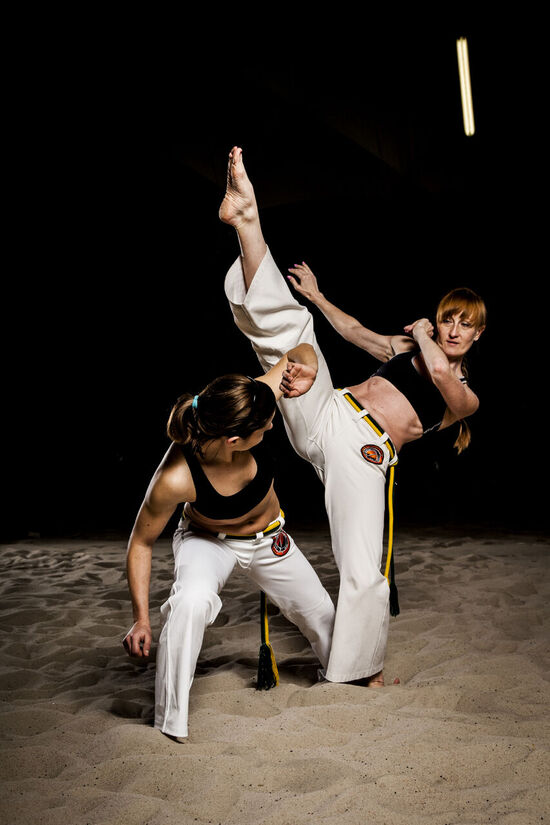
(355, 498)
(202, 563)
(288, 580)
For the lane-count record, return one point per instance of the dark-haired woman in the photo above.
(351, 436)
(218, 465)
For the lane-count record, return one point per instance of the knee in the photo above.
(368, 584)
(195, 604)
(320, 616)
(325, 611)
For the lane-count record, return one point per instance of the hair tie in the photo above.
(195, 400)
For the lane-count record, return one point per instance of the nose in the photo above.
(453, 332)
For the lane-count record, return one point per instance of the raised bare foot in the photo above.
(377, 680)
(239, 204)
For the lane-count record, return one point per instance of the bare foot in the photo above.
(239, 204)
(377, 680)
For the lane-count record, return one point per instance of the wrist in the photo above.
(420, 335)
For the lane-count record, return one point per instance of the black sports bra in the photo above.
(213, 505)
(423, 395)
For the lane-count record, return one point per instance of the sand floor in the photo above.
(463, 739)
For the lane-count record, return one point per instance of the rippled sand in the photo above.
(463, 739)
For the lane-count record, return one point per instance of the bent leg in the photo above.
(202, 567)
(292, 584)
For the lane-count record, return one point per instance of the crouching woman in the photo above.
(219, 467)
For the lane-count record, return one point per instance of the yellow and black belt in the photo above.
(389, 571)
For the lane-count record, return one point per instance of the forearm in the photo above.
(294, 373)
(377, 345)
(138, 569)
(302, 354)
(435, 359)
(305, 282)
(343, 323)
(460, 399)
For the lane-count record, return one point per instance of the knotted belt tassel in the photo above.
(268, 675)
(390, 572)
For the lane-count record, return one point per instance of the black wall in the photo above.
(115, 301)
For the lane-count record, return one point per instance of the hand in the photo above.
(297, 379)
(307, 283)
(419, 327)
(137, 641)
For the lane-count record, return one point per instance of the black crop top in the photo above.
(213, 505)
(423, 395)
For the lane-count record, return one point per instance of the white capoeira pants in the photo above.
(203, 564)
(328, 432)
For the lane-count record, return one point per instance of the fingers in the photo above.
(422, 323)
(301, 270)
(287, 380)
(138, 642)
(303, 267)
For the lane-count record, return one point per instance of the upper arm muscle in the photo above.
(168, 488)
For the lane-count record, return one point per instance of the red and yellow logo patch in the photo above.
(281, 543)
(372, 453)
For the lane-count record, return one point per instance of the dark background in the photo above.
(115, 303)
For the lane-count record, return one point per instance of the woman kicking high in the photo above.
(351, 436)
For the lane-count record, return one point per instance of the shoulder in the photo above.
(172, 481)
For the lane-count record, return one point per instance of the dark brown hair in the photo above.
(230, 405)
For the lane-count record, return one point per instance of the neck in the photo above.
(455, 364)
(218, 451)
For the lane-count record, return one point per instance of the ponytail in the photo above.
(231, 405)
(464, 436)
(183, 427)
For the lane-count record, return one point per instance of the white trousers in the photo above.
(329, 433)
(203, 564)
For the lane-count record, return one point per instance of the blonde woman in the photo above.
(351, 436)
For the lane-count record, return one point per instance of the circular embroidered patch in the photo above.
(372, 453)
(281, 543)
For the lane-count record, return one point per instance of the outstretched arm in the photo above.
(159, 504)
(294, 374)
(381, 347)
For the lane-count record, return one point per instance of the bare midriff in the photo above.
(390, 409)
(257, 520)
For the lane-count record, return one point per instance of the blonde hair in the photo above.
(467, 304)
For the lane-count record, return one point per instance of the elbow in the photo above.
(351, 330)
(466, 409)
(386, 353)
(440, 371)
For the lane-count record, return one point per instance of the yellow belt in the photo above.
(390, 483)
